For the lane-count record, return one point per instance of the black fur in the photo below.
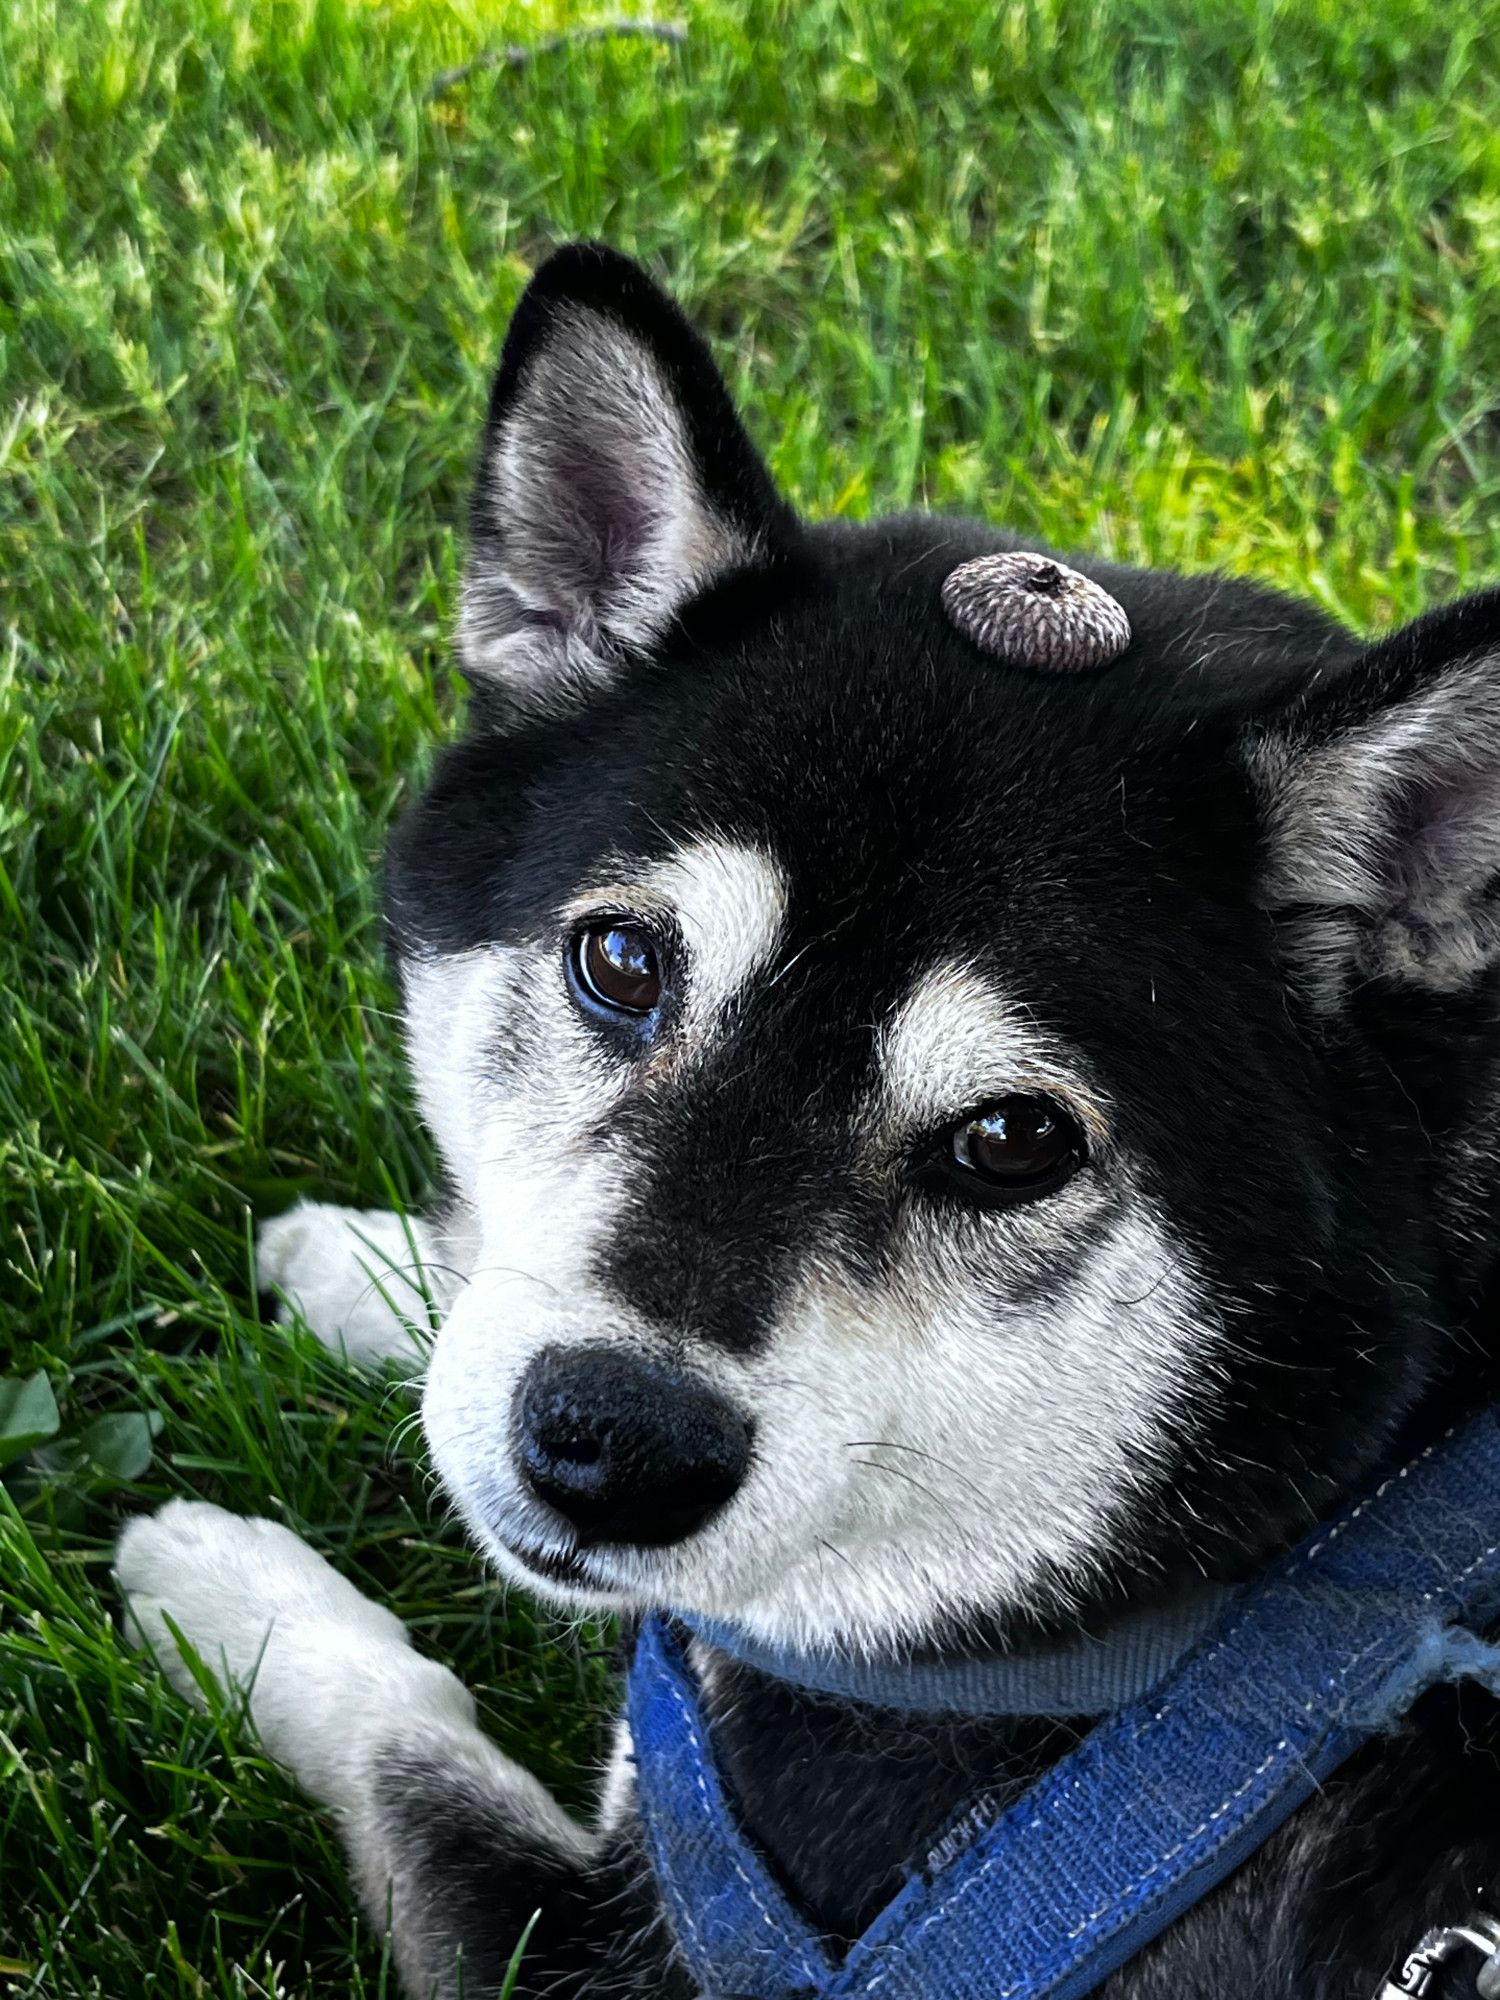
(1101, 843)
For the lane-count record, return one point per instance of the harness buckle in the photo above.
(1439, 1947)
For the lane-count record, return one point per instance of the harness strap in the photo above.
(1157, 1805)
(733, 1923)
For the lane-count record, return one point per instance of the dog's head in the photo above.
(947, 1143)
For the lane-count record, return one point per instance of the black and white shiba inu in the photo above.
(943, 1157)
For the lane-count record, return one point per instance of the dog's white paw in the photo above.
(326, 1670)
(226, 1581)
(359, 1278)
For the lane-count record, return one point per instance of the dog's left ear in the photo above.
(1380, 790)
(614, 484)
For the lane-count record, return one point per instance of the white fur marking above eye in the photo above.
(730, 902)
(954, 1042)
(727, 901)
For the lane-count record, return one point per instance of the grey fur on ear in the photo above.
(1381, 801)
(614, 483)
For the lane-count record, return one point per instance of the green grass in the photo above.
(1197, 281)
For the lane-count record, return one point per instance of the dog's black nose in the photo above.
(626, 1449)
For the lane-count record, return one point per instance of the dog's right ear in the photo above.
(616, 482)
(1380, 788)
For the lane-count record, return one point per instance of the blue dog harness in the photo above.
(1160, 1802)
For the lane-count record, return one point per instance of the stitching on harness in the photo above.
(681, 1906)
(1113, 1902)
(699, 1764)
(1320, 1548)
(1478, 1563)
(1008, 1992)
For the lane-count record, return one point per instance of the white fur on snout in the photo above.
(925, 1451)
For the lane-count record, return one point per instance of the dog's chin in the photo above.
(571, 1579)
(804, 1604)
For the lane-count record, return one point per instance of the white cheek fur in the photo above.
(966, 1454)
(497, 1122)
(923, 1454)
(518, 1141)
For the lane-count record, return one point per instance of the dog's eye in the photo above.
(617, 966)
(1016, 1147)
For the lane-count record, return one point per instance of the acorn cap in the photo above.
(1035, 612)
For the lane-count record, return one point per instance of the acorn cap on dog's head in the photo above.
(1034, 611)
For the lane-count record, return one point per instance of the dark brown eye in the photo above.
(618, 967)
(1018, 1145)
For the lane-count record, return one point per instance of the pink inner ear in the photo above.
(1034, 611)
